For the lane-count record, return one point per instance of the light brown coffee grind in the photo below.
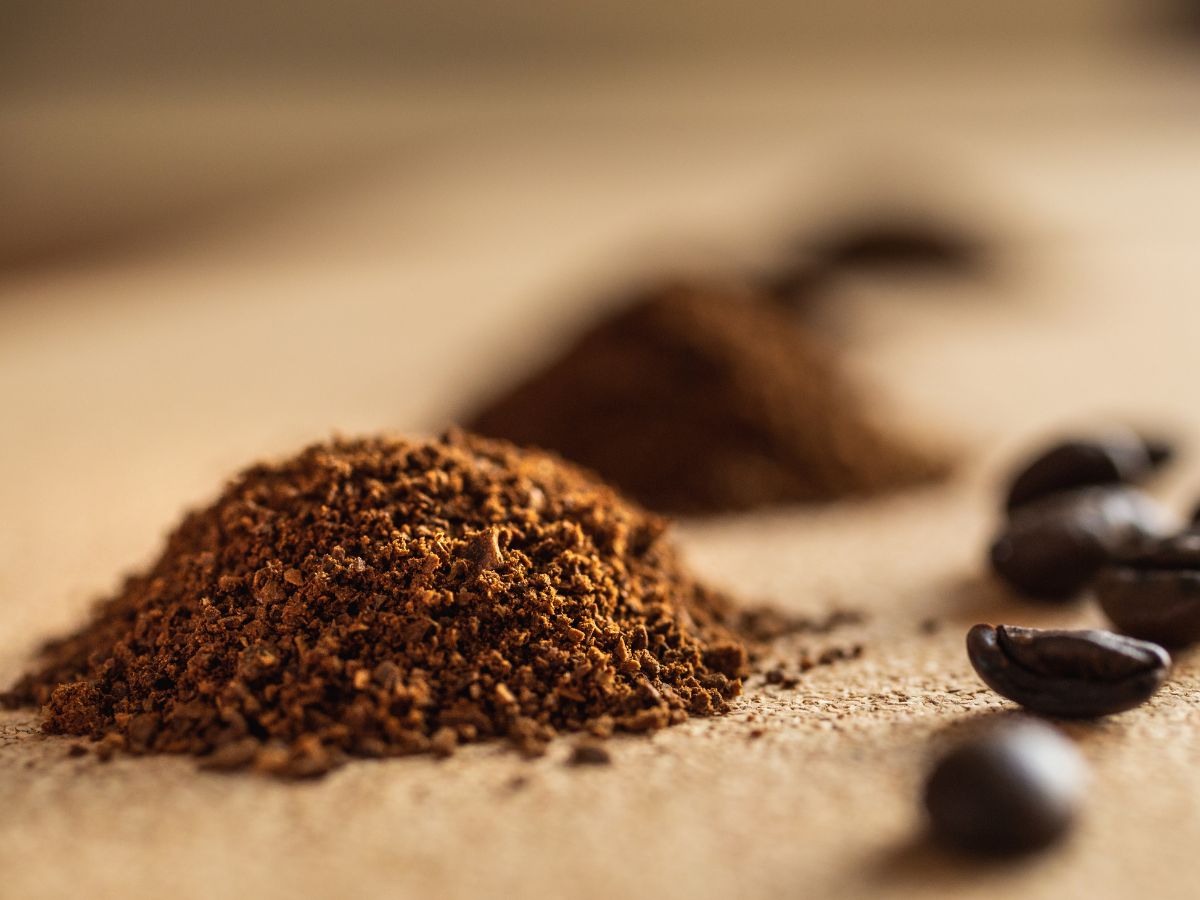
(378, 597)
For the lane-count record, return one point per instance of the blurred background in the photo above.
(133, 117)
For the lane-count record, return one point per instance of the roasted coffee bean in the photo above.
(1076, 674)
(1153, 591)
(901, 241)
(1013, 789)
(1051, 549)
(1119, 456)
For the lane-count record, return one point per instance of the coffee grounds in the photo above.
(697, 399)
(777, 641)
(378, 597)
(767, 624)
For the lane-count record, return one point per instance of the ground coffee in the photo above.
(378, 597)
(698, 399)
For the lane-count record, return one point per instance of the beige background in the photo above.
(134, 379)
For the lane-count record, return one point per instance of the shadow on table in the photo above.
(979, 597)
(920, 862)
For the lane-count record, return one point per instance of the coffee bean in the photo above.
(1078, 674)
(1153, 591)
(902, 240)
(1052, 548)
(1015, 788)
(1119, 456)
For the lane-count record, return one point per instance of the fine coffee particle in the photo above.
(378, 597)
(778, 676)
(695, 398)
(1052, 548)
(831, 655)
(796, 284)
(929, 626)
(1083, 674)
(1118, 456)
(589, 753)
(1153, 591)
(1016, 788)
(766, 624)
(770, 636)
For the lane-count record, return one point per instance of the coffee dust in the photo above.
(589, 753)
(778, 642)
(697, 398)
(378, 597)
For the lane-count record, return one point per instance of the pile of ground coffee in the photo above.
(701, 399)
(380, 597)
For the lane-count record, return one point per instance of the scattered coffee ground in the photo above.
(809, 660)
(1076, 674)
(698, 399)
(379, 597)
(589, 753)
(765, 624)
(929, 626)
(795, 284)
(1016, 788)
(777, 642)
(829, 656)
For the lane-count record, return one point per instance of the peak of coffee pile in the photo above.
(701, 398)
(380, 597)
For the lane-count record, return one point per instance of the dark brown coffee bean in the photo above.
(901, 241)
(1153, 591)
(1015, 788)
(1053, 548)
(1076, 674)
(1119, 456)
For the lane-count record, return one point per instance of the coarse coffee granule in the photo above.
(377, 597)
(698, 398)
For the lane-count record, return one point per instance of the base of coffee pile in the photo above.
(381, 597)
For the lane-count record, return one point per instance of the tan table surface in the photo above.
(132, 384)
